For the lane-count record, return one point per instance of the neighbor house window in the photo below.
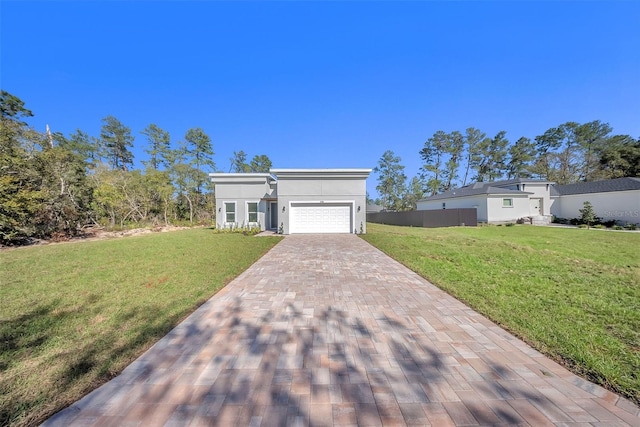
(230, 211)
(252, 211)
(507, 203)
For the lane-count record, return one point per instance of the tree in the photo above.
(472, 139)
(116, 139)
(620, 157)
(490, 157)
(12, 108)
(199, 147)
(416, 191)
(20, 195)
(454, 149)
(260, 163)
(158, 141)
(587, 215)
(521, 154)
(80, 143)
(592, 138)
(432, 155)
(559, 154)
(391, 181)
(239, 162)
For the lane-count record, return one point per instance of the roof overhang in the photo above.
(241, 178)
(321, 173)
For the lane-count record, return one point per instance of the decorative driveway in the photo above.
(327, 330)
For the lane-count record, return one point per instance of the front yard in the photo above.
(573, 294)
(73, 315)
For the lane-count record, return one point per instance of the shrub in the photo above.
(618, 227)
(631, 226)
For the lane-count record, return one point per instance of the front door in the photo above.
(273, 217)
(536, 206)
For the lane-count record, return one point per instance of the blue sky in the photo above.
(323, 84)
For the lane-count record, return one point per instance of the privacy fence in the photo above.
(428, 219)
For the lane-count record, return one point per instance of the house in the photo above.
(293, 200)
(498, 201)
(612, 199)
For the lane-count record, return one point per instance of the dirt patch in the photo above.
(99, 234)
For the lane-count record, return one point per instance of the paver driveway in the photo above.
(327, 330)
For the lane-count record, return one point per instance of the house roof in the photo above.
(606, 186)
(518, 181)
(479, 188)
(241, 178)
(321, 173)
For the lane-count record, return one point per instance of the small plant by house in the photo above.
(587, 215)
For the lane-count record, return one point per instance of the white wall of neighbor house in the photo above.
(479, 202)
(623, 206)
(323, 189)
(539, 190)
(500, 210)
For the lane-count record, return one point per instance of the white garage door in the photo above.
(320, 218)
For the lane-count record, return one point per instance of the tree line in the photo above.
(569, 153)
(55, 185)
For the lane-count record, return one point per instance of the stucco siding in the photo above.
(497, 212)
(621, 206)
(478, 202)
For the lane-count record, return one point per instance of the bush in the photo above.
(618, 227)
(583, 225)
(631, 226)
(600, 226)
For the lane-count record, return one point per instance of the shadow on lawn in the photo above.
(87, 366)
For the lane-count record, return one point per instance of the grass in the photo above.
(573, 294)
(74, 315)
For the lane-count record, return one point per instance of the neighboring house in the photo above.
(293, 200)
(613, 199)
(373, 208)
(498, 201)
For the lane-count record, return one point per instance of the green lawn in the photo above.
(574, 294)
(73, 315)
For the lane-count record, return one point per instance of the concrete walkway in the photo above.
(327, 330)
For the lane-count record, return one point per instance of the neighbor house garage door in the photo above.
(320, 218)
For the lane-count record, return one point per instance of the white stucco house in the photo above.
(498, 201)
(539, 200)
(612, 199)
(293, 200)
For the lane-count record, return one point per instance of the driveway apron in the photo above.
(328, 330)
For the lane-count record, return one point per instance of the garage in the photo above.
(320, 218)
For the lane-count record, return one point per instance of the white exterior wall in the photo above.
(621, 206)
(499, 213)
(539, 190)
(479, 202)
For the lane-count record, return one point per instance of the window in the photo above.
(252, 211)
(507, 203)
(230, 211)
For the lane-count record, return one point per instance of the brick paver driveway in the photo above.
(327, 330)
